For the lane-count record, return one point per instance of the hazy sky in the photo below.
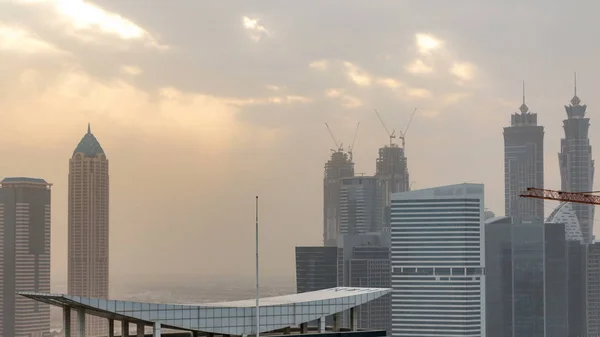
(201, 105)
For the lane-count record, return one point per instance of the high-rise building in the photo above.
(24, 256)
(526, 279)
(361, 205)
(523, 165)
(438, 261)
(88, 226)
(317, 268)
(576, 163)
(339, 166)
(367, 264)
(592, 274)
(392, 170)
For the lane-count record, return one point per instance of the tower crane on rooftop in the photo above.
(392, 134)
(339, 147)
(576, 197)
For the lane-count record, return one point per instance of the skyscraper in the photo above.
(526, 279)
(361, 205)
(392, 170)
(523, 165)
(576, 163)
(88, 226)
(24, 256)
(339, 166)
(438, 258)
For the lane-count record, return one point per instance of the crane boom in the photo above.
(577, 197)
(337, 145)
(351, 148)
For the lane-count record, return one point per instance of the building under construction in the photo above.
(392, 167)
(339, 166)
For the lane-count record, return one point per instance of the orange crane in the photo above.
(577, 197)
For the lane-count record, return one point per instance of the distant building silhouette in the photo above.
(576, 163)
(88, 227)
(523, 165)
(339, 166)
(392, 170)
(24, 256)
(361, 205)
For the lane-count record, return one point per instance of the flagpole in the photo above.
(257, 278)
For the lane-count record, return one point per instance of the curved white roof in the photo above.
(565, 214)
(234, 318)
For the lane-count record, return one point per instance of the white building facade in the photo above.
(438, 261)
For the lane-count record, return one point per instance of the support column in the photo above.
(67, 321)
(322, 324)
(336, 322)
(156, 330)
(124, 328)
(111, 327)
(353, 319)
(81, 319)
(303, 327)
(195, 334)
(140, 329)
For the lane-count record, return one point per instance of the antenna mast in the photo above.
(257, 277)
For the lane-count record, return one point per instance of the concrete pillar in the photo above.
(156, 330)
(303, 327)
(322, 324)
(81, 320)
(353, 319)
(336, 322)
(67, 321)
(111, 327)
(287, 330)
(125, 328)
(140, 329)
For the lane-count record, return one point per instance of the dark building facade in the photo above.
(523, 165)
(366, 263)
(24, 256)
(317, 268)
(576, 163)
(526, 279)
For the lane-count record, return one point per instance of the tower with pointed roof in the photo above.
(523, 164)
(576, 163)
(88, 226)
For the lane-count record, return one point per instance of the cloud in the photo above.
(131, 70)
(418, 93)
(427, 43)
(286, 99)
(88, 22)
(464, 71)
(389, 82)
(357, 75)
(257, 31)
(418, 67)
(319, 65)
(273, 87)
(19, 40)
(347, 101)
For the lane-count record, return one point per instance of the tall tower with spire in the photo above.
(523, 164)
(88, 226)
(576, 163)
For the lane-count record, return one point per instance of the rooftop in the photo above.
(89, 145)
(13, 180)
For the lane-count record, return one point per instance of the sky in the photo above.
(202, 105)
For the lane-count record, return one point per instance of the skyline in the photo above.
(142, 80)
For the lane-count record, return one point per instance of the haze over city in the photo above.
(202, 105)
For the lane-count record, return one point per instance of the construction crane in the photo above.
(392, 134)
(577, 197)
(339, 147)
(351, 148)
